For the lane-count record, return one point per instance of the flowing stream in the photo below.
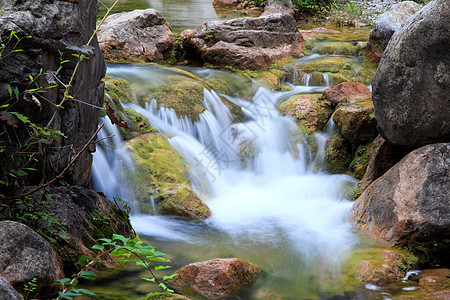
(271, 203)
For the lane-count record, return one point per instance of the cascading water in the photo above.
(270, 205)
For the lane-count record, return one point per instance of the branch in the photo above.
(60, 174)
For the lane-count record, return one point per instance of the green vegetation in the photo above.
(125, 249)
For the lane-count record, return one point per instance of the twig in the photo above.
(60, 174)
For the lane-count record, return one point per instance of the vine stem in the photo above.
(84, 269)
(60, 174)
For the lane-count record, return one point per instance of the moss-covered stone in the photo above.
(350, 69)
(377, 265)
(164, 296)
(361, 160)
(338, 154)
(339, 48)
(160, 173)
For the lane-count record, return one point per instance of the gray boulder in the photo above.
(386, 25)
(139, 34)
(409, 205)
(7, 291)
(26, 255)
(278, 7)
(244, 43)
(46, 22)
(411, 86)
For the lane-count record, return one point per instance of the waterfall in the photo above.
(306, 78)
(264, 186)
(326, 79)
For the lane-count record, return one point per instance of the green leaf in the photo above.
(162, 267)
(10, 90)
(86, 292)
(4, 106)
(149, 279)
(121, 238)
(169, 276)
(98, 247)
(158, 258)
(21, 173)
(63, 281)
(87, 275)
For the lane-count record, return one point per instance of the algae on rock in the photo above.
(160, 173)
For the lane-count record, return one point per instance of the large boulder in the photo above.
(7, 291)
(26, 255)
(43, 24)
(244, 43)
(215, 279)
(225, 3)
(385, 26)
(139, 34)
(73, 219)
(410, 87)
(409, 204)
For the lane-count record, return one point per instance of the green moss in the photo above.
(158, 296)
(324, 111)
(340, 48)
(361, 160)
(338, 155)
(159, 172)
(357, 191)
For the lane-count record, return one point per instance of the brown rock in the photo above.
(387, 268)
(26, 255)
(217, 278)
(225, 3)
(254, 11)
(433, 279)
(442, 295)
(304, 108)
(385, 26)
(383, 157)
(245, 43)
(139, 34)
(409, 205)
(357, 121)
(350, 90)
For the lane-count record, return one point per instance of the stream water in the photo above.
(271, 203)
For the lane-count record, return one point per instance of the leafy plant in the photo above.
(126, 249)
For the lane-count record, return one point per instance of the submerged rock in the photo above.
(386, 25)
(27, 255)
(245, 43)
(225, 3)
(378, 265)
(139, 34)
(410, 88)
(160, 173)
(408, 205)
(215, 279)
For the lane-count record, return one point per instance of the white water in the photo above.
(274, 197)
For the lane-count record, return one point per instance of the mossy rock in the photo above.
(308, 109)
(164, 296)
(377, 265)
(160, 173)
(338, 154)
(350, 69)
(361, 160)
(116, 91)
(339, 48)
